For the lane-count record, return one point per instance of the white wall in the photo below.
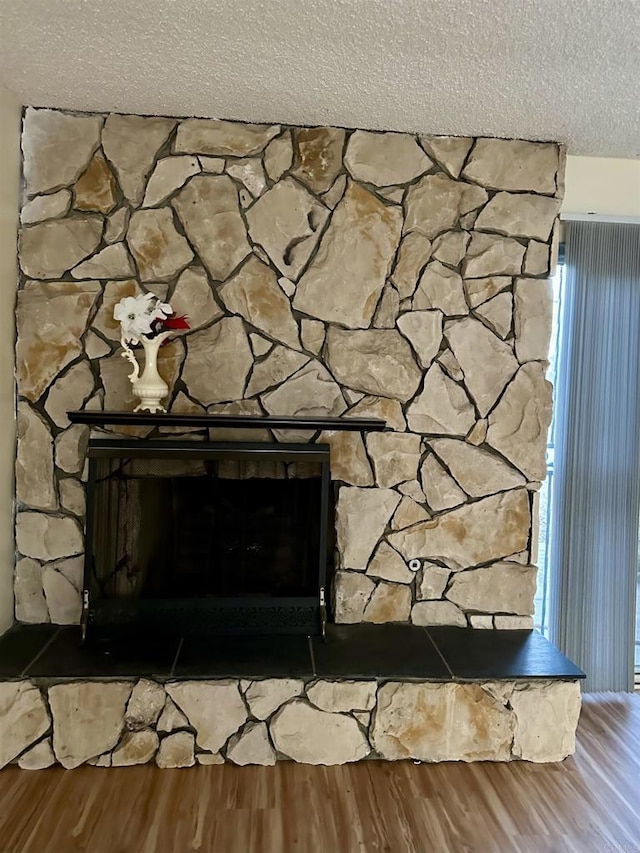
(10, 119)
(603, 186)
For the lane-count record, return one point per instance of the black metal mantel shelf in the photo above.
(174, 419)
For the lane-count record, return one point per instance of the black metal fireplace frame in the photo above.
(227, 616)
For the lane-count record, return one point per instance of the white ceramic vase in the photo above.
(150, 388)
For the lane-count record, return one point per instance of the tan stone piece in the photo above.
(497, 314)
(383, 408)
(266, 696)
(208, 758)
(45, 207)
(193, 298)
(343, 696)
(513, 623)
(352, 592)
(253, 293)
(349, 461)
(30, 604)
(441, 722)
(312, 334)
(449, 151)
(437, 613)
(489, 529)
(38, 757)
(345, 279)
(432, 582)
(388, 565)
(519, 424)
(424, 331)
(442, 407)
(213, 165)
(71, 448)
(215, 709)
(318, 156)
(63, 599)
(387, 310)
(500, 587)
(159, 250)
(491, 255)
(375, 361)
(169, 175)
(136, 747)
(145, 704)
(480, 290)
(311, 392)
(49, 249)
(361, 518)
(481, 621)
(449, 363)
(117, 224)
(259, 345)
(476, 470)
(440, 287)
(519, 215)
(272, 371)
(532, 318)
(210, 214)
(536, 260)
(441, 490)
(72, 569)
(34, 462)
(171, 718)
(23, 718)
(131, 143)
(478, 432)
(334, 195)
(311, 736)
(513, 164)
(278, 156)
(218, 362)
(47, 537)
(250, 174)
(409, 512)
(546, 720)
(88, 718)
(95, 190)
(450, 247)
(395, 456)
(413, 254)
(436, 202)
(112, 262)
(176, 750)
(251, 746)
(412, 489)
(389, 602)
(56, 147)
(221, 138)
(69, 393)
(385, 159)
(487, 362)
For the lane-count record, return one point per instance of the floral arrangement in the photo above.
(146, 317)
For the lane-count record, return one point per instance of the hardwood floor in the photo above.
(590, 802)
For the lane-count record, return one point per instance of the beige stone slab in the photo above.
(436, 202)
(267, 695)
(215, 709)
(432, 582)
(389, 602)
(440, 489)
(440, 287)
(95, 190)
(488, 529)
(50, 249)
(69, 393)
(311, 392)
(383, 408)
(413, 254)
(449, 151)
(442, 407)
(519, 215)
(30, 603)
(395, 456)
(193, 298)
(513, 164)
(490, 255)
(424, 331)
(44, 207)
(385, 159)
(35, 486)
(386, 564)
(311, 736)
(168, 176)
(47, 537)
(63, 598)
(252, 746)
(176, 750)
(218, 362)
(351, 591)
(23, 718)
(160, 251)
(345, 279)
(532, 318)
(546, 719)
(478, 471)
(222, 138)
(349, 461)
(497, 314)
(437, 613)
(137, 747)
(498, 588)
(361, 518)
(278, 156)
(318, 156)
(343, 696)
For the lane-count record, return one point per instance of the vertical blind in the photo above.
(596, 489)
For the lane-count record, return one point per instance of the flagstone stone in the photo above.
(57, 147)
(318, 156)
(117, 224)
(442, 407)
(215, 709)
(71, 448)
(432, 582)
(480, 290)
(536, 260)
(35, 486)
(311, 392)
(23, 718)
(210, 214)
(218, 362)
(251, 746)
(440, 489)
(193, 299)
(95, 190)
(159, 250)
(250, 173)
(221, 138)
(131, 144)
(387, 310)
(409, 511)
(513, 164)
(345, 279)
(267, 695)
(49, 249)
(30, 603)
(112, 262)
(278, 156)
(437, 613)
(349, 461)
(385, 159)
(389, 602)
(413, 254)
(450, 247)
(383, 408)
(279, 365)
(72, 497)
(440, 287)
(435, 204)
(477, 471)
(69, 393)
(63, 599)
(311, 736)
(497, 314)
(424, 331)
(519, 215)
(498, 588)
(312, 333)
(386, 564)
(491, 255)
(45, 207)
(532, 318)
(361, 518)
(449, 151)
(395, 456)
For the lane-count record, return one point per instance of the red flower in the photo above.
(175, 323)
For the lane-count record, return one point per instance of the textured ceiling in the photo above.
(565, 70)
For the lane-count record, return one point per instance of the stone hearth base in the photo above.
(316, 721)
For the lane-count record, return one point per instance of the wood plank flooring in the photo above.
(590, 802)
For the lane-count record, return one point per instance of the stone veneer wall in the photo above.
(179, 724)
(325, 272)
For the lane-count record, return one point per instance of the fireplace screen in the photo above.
(208, 537)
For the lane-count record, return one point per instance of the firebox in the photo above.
(189, 537)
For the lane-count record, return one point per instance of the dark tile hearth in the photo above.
(350, 651)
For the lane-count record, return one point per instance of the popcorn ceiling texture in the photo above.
(564, 71)
(326, 272)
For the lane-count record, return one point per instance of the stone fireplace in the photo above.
(326, 273)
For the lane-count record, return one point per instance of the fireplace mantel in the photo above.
(174, 419)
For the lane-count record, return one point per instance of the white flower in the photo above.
(136, 314)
